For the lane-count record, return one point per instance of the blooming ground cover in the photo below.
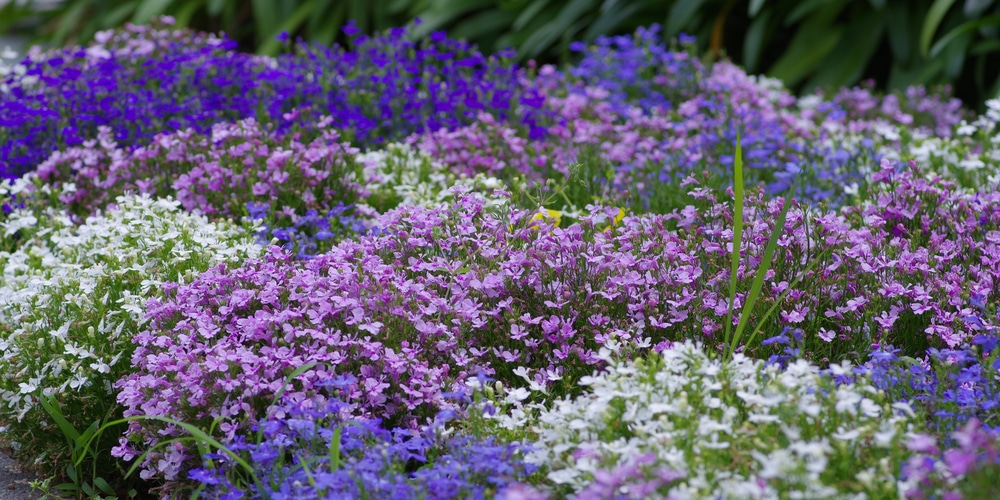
(405, 269)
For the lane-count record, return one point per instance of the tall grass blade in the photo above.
(737, 233)
(758, 280)
(335, 449)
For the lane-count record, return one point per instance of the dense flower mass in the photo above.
(72, 297)
(142, 81)
(405, 269)
(369, 461)
(662, 427)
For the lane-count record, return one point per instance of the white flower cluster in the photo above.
(739, 429)
(972, 155)
(72, 296)
(411, 177)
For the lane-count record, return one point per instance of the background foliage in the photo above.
(805, 43)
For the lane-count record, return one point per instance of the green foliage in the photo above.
(254, 24)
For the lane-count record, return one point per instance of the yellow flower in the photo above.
(618, 218)
(545, 213)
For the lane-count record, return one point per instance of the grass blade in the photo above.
(758, 280)
(737, 232)
(335, 449)
(931, 22)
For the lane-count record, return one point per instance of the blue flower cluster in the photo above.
(156, 80)
(318, 453)
(643, 72)
(951, 385)
(639, 70)
(308, 235)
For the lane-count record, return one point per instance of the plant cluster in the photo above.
(669, 424)
(402, 268)
(73, 297)
(307, 451)
(143, 81)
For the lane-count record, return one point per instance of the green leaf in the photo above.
(51, 406)
(803, 9)
(762, 269)
(265, 17)
(358, 10)
(67, 21)
(847, 62)
(71, 474)
(900, 31)
(754, 7)
(214, 7)
(807, 51)
(528, 14)
(931, 22)
(271, 45)
(184, 14)
(482, 24)
(439, 16)
(814, 39)
(753, 43)
(324, 25)
(975, 8)
(118, 15)
(609, 21)
(103, 486)
(961, 30)
(149, 9)
(335, 449)
(680, 15)
(734, 256)
(954, 56)
(542, 39)
(984, 47)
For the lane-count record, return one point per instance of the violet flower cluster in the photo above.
(447, 292)
(972, 457)
(300, 191)
(640, 154)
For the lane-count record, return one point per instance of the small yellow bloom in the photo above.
(545, 213)
(618, 218)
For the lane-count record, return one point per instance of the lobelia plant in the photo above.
(381, 89)
(538, 304)
(682, 423)
(241, 170)
(302, 450)
(73, 297)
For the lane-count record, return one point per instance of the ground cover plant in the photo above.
(404, 269)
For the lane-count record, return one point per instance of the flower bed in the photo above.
(406, 269)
